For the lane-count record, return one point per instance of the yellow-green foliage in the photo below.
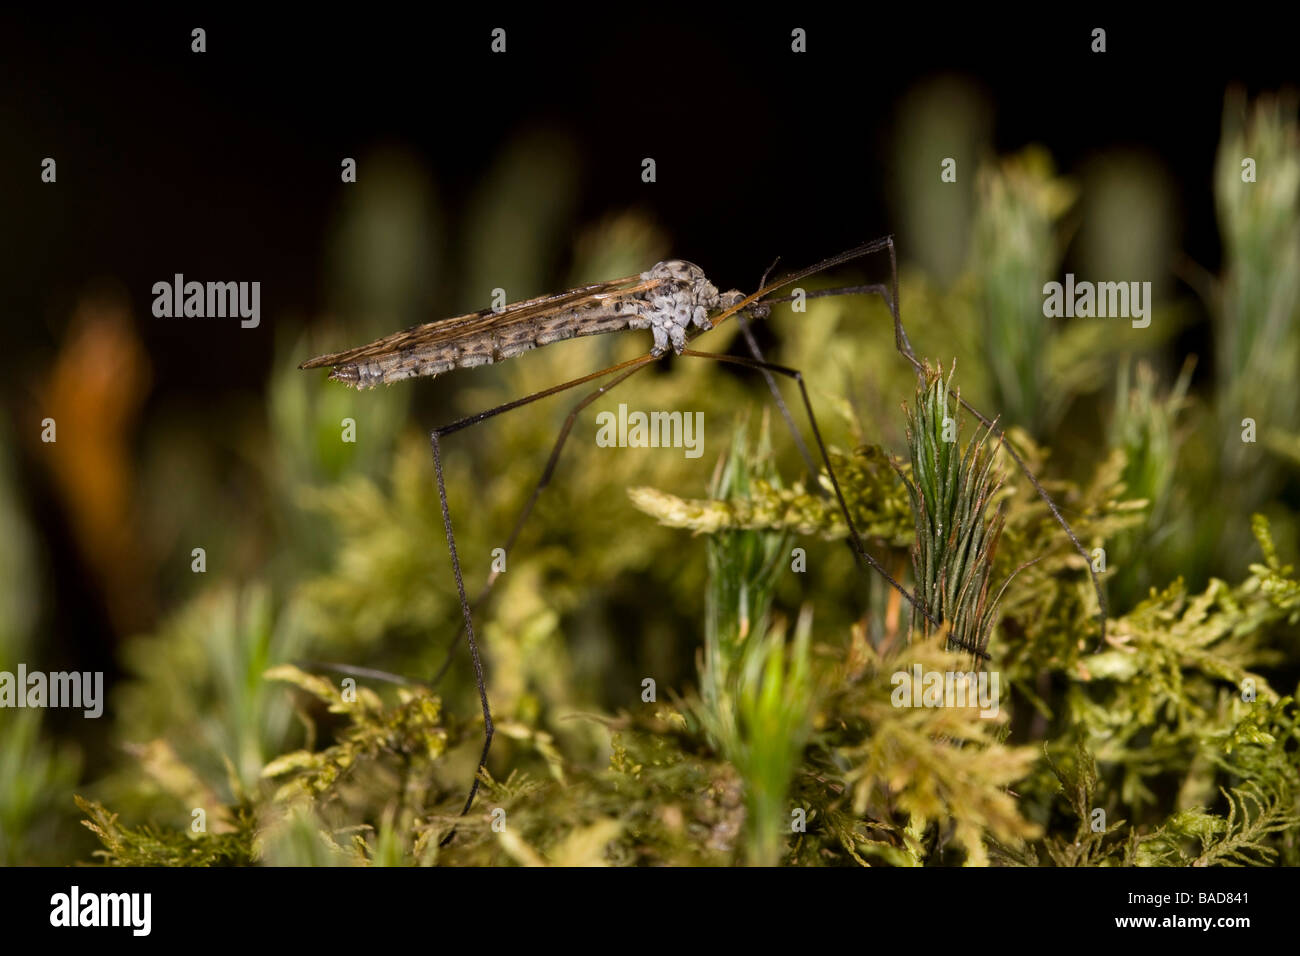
(152, 846)
(929, 774)
(875, 495)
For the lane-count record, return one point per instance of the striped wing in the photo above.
(473, 324)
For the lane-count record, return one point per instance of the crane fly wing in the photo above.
(444, 330)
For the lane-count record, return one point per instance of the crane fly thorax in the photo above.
(670, 308)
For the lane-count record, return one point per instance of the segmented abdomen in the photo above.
(488, 346)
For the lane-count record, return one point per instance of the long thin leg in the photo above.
(462, 423)
(743, 321)
(527, 510)
(435, 437)
(904, 347)
(859, 549)
(469, 628)
(799, 443)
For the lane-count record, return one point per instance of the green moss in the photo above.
(775, 735)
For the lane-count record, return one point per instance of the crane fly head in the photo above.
(758, 310)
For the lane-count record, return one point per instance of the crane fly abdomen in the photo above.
(481, 348)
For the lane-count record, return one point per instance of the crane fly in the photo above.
(668, 299)
(676, 302)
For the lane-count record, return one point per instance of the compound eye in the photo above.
(728, 299)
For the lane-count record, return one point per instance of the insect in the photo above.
(676, 302)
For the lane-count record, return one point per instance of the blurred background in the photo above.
(523, 171)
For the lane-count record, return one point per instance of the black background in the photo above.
(226, 163)
(1009, 905)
